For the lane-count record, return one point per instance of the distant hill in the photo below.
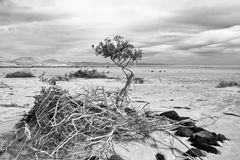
(27, 61)
(53, 62)
(32, 62)
(3, 59)
(6, 62)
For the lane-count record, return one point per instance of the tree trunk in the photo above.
(121, 97)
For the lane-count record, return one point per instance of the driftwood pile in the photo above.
(60, 126)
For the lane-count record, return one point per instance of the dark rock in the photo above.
(194, 152)
(221, 138)
(206, 147)
(207, 134)
(196, 129)
(183, 118)
(207, 140)
(115, 157)
(171, 115)
(160, 156)
(184, 132)
(188, 124)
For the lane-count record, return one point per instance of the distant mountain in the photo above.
(27, 61)
(53, 62)
(3, 59)
(6, 62)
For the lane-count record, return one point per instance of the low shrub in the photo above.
(82, 73)
(85, 73)
(20, 74)
(53, 80)
(138, 80)
(61, 78)
(229, 83)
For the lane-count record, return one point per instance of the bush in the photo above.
(230, 83)
(82, 73)
(61, 78)
(53, 80)
(85, 73)
(138, 80)
(20, 74)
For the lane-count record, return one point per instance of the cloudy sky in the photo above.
(168, 31)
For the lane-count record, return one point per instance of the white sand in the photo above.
(193, 88)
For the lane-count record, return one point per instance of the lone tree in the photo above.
(122, 53)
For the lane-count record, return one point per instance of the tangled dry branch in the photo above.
(61, 126)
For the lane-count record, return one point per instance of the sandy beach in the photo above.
(190, 91)
(119, 80)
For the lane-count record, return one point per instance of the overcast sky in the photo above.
(168, 31)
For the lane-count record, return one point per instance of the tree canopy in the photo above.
(120, 51)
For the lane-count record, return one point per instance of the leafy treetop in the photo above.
(120, 51)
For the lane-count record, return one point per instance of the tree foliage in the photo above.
(122, 53)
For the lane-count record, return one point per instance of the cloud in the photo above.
(170, 31)
(192, 20)
(49, 40)
(215, 46)
(209, 17)
(211, 41)
(12, 13)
